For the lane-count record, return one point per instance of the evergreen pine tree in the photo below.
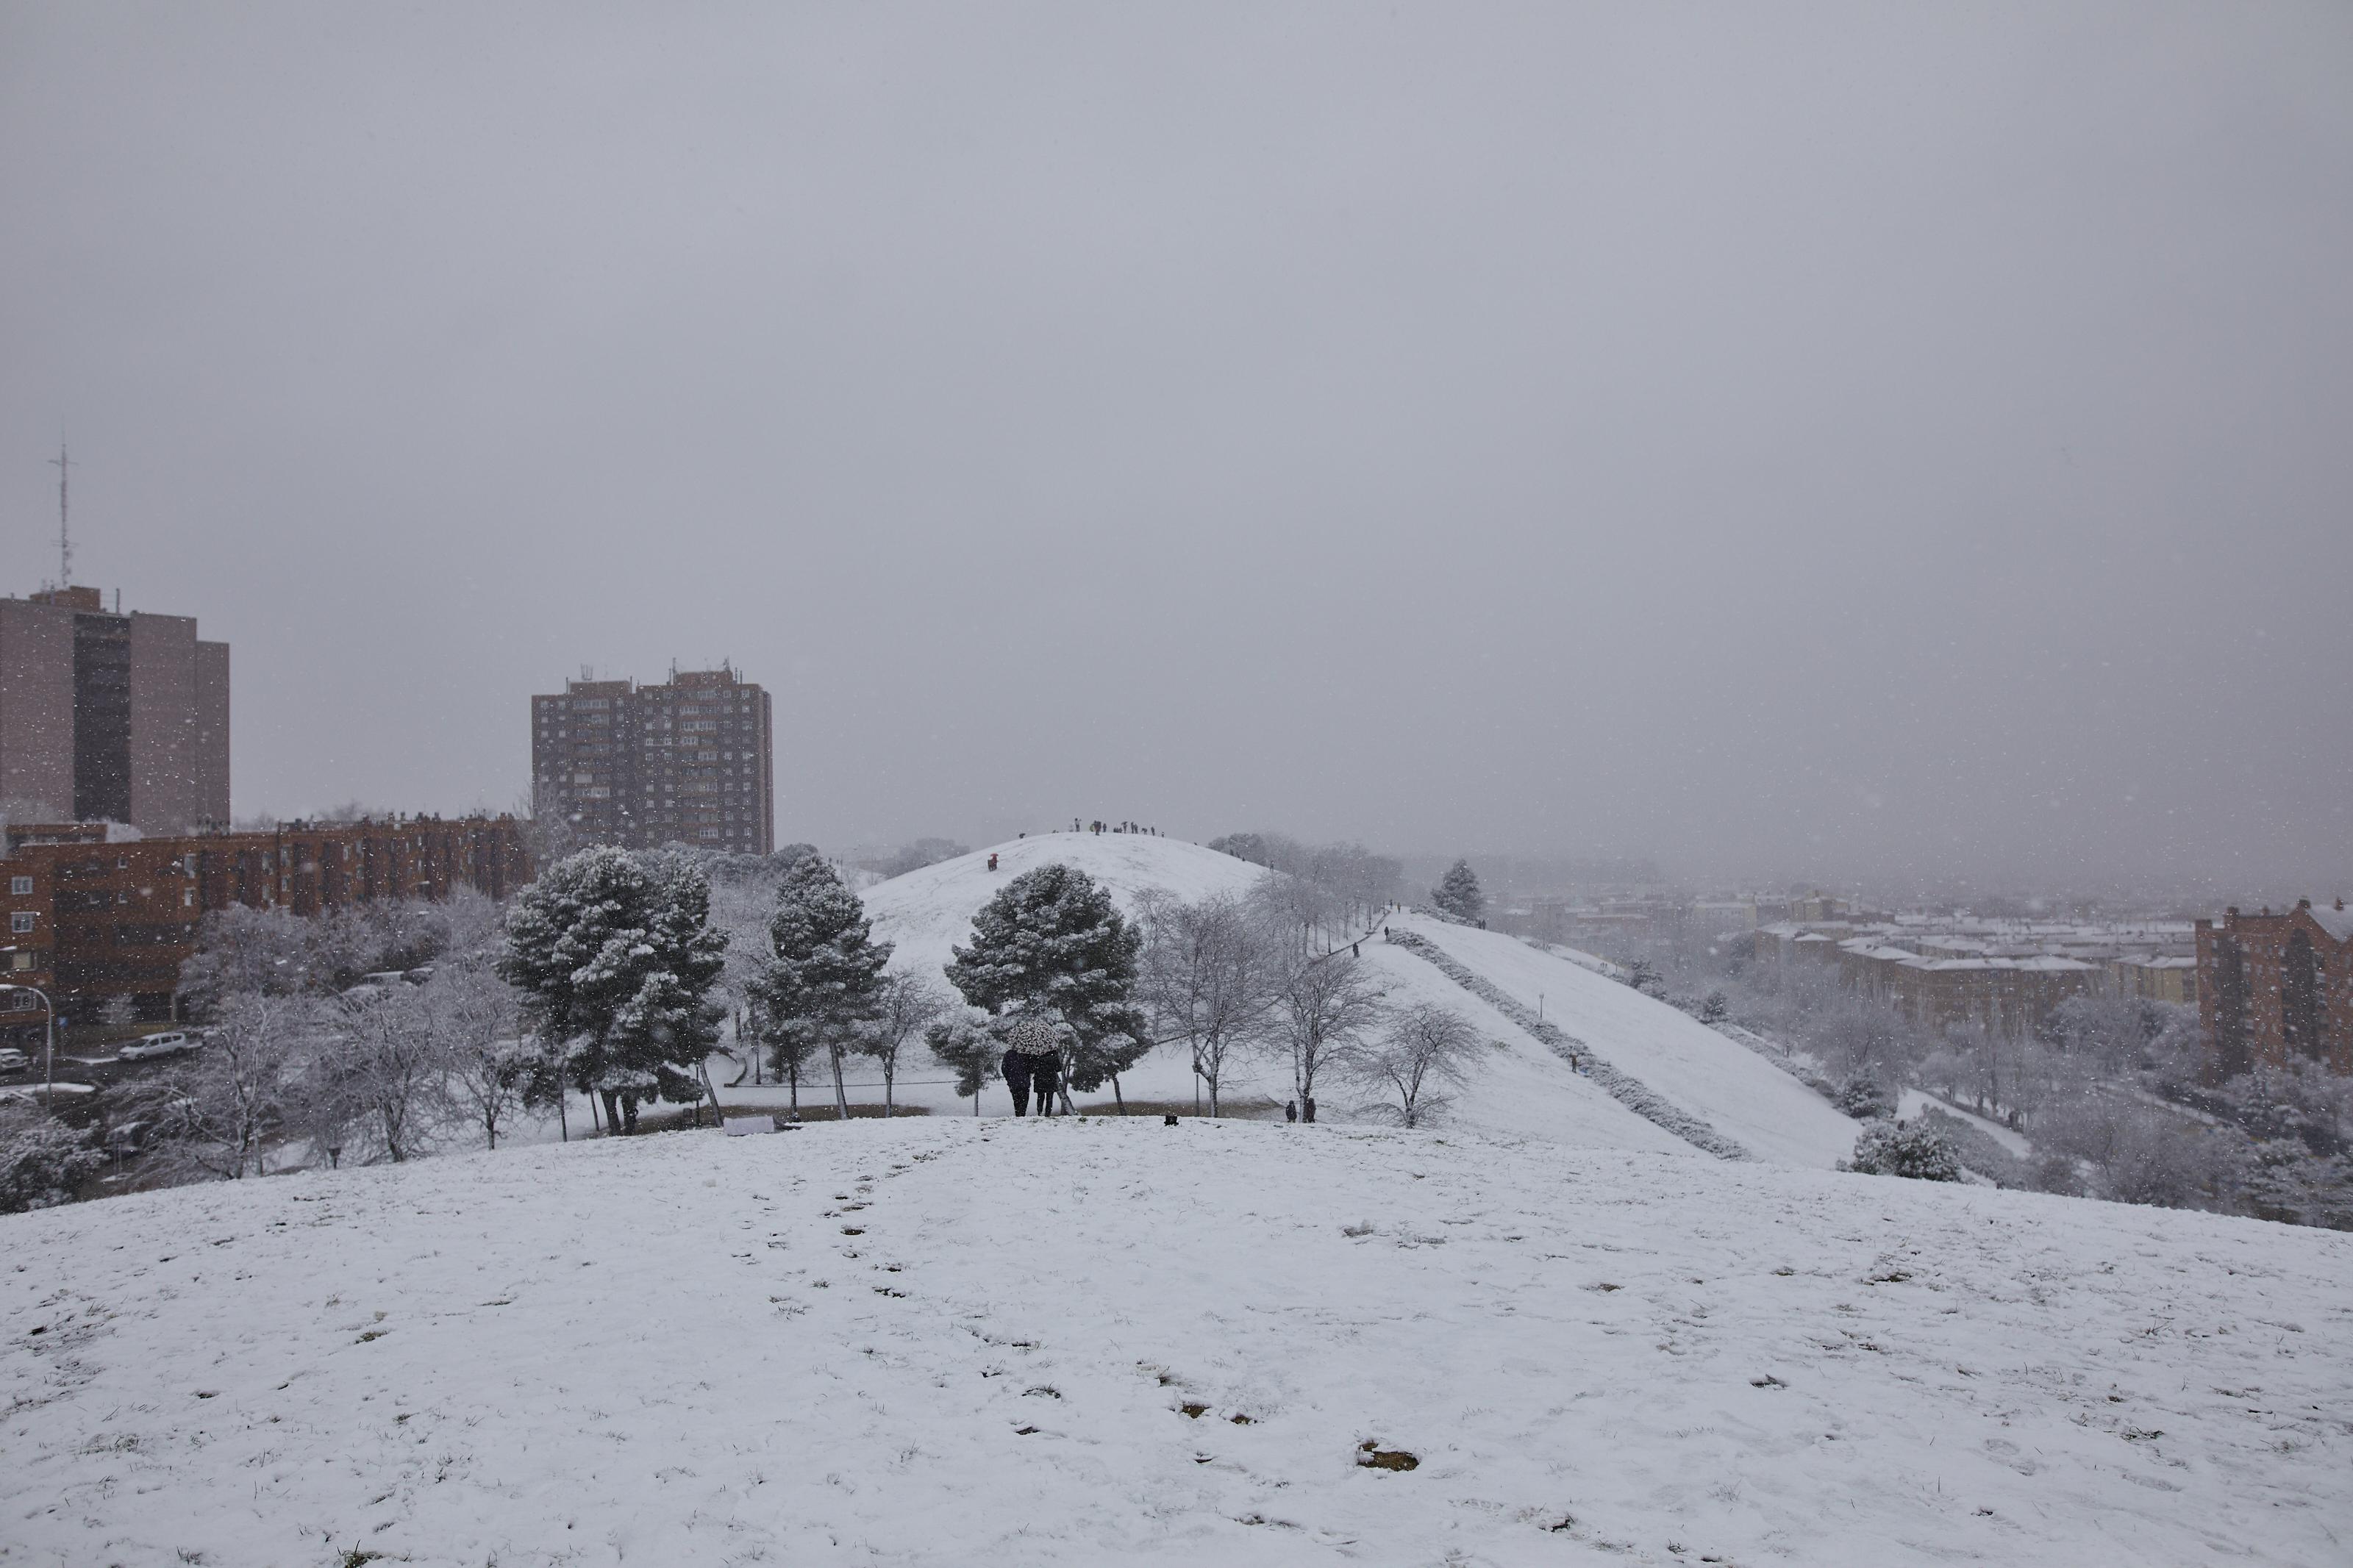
(1458, 892)
(1861, 1098)
(972, 1051)
(1052, 941)
(616, 959)
(826, 979)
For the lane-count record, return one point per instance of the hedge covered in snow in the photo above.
(1626, 1090)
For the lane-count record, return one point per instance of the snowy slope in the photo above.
(947, 1342)
(1520, 1087)
(927, 913)
(1731, 1088)
(930, 911)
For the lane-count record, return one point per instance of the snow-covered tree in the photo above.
(911, 856)
(214, 1114)
(824, 980)
(1863, 1098)
(388, 1065)
(970, 1049)
(1209, 973)
(787, 1051)
(616, 957)
(489, 1066)
(42, 1160)
(242, 950)
(1905, 1149)
(1424, 1050)
(1458, 893)
(1326, 1004)
(1052, 941)
(1644, 976)
(905, 1007)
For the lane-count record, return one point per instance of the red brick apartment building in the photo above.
(89, 919)
(2277, 989)
(691, 762)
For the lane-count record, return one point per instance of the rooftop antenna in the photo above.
(64, 540)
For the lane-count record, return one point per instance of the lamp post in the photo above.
(49, 1053)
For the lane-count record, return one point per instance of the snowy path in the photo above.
(943, 1342)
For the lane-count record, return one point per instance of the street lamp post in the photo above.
(49, 1053)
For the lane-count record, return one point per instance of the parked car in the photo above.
(164, 1045)
(14, 1060)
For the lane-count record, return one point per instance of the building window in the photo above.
(21, 921)
(20, 886)
(2302, 1013)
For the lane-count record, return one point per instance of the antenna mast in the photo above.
(64, 540)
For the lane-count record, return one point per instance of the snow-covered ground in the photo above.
(948, 1342)
(1722, 1082)
(1522, 1088)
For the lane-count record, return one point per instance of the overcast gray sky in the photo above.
(1786, 438)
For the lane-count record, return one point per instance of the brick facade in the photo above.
(690, 762)
(90, 918)
(2276, 989)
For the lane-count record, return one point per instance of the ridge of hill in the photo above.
(942, 1342)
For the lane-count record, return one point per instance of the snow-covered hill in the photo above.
(1722, 1082)
(947, 1342)
(930, 911)
(1522, 1087)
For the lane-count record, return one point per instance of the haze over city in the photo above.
(1828, 440)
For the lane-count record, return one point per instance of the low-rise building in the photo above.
(95, 914)
(2004, 975)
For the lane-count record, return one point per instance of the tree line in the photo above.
(388, 1030)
